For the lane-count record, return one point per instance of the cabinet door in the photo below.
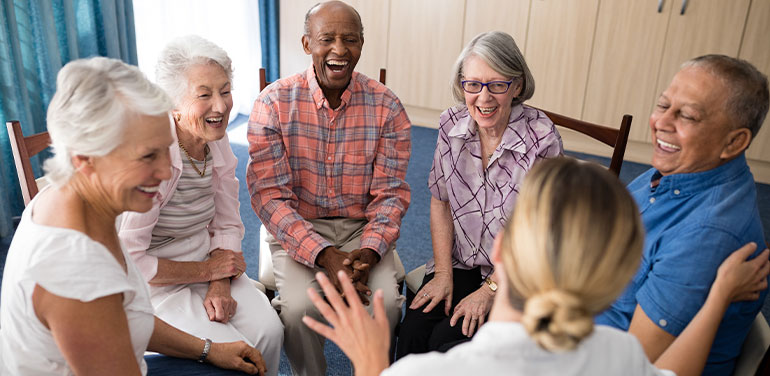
(756, 49)
(374, 17)
(558, 53)
(706, 27)
(425, 38)
(624, 66)
(510, 16)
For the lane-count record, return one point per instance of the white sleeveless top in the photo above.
(69, 264)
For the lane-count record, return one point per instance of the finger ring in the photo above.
(238, 275)
(425, 294)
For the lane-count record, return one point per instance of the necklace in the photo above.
(205, 161)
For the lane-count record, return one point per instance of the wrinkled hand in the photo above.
(473, 308)
(434, 292)
(219, 304)
(238, 356)
(362, 261)
(224, 263)
(363, 338)
(332, 259)
(738, 279)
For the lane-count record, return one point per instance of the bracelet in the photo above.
(206, 348)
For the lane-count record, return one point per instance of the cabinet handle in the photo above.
(660, 6)
(684, 7)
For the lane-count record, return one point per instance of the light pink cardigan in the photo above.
(226, 228)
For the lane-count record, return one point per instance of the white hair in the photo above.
(181, 54)
(94, 100)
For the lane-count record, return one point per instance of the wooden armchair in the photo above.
(23, 149)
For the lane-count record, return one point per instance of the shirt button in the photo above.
(328, 158)
(663, 322)
(652, 200)
(676, 191)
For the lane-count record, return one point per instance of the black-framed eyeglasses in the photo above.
(494, 87)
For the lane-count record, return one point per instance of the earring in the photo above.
(177, 117)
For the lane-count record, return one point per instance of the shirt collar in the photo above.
(697, 181)
(465, 128)
(318, 94)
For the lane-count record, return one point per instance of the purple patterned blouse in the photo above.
(482, 200)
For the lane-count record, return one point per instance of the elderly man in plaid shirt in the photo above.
(329, 150)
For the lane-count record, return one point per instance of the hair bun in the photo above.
(556, 320)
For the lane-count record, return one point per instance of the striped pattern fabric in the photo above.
(481, 199)
(310, 161)
(190, 208)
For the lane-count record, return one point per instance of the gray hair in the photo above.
(182, 53)
(748, 96)
(314, 8)
(89, 113)
(500, 52)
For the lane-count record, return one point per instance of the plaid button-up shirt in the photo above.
(311, 161)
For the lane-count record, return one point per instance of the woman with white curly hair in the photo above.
(571, 246)
(72, 300)
(188, 245)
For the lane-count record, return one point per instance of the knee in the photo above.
(293, 311)
(393, 302)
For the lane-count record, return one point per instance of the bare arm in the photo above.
(442, 233)
(222, 264)
(654, 340)
(93, 336)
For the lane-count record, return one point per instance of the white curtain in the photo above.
(231, 24)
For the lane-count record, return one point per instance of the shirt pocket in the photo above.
(356, 174)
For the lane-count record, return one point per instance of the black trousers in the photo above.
(424, 332)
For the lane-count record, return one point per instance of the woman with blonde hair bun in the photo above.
(571, 246)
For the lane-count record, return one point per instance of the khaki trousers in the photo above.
(303, 346)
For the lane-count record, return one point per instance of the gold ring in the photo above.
(238, 275)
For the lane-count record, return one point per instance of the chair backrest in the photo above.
(616, 138)
(754, 358)
(263, 80)
(23, 149)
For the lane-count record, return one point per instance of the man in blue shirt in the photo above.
(698, 204)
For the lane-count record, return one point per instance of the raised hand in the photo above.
(363, 338)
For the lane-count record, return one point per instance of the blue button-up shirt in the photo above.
(693, 222)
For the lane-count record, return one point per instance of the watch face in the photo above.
(492, 284)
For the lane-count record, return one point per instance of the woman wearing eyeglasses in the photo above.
(485, 147)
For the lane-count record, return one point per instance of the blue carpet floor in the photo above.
(414, 245)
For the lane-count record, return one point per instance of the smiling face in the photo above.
(204, 110)
(129, 176)
(334, 41)
(487, 109)
(690, 127)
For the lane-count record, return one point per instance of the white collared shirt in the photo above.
(504, 348)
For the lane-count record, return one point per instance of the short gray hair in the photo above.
(95, 99)
(748, 97)
(315, 7)
(182, 53)
(500, 52)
